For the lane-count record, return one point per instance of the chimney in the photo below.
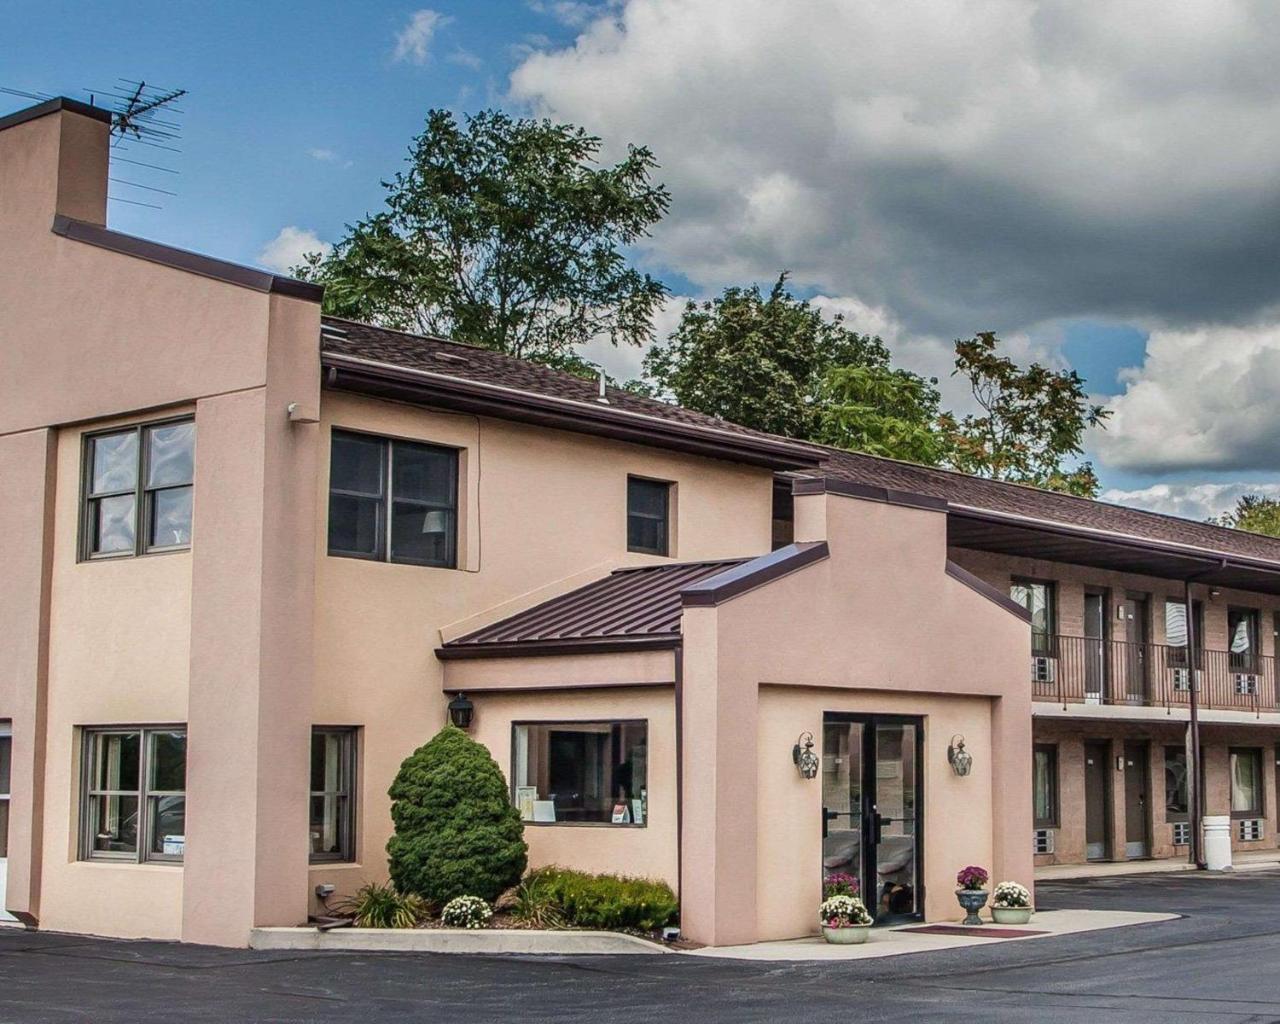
(54, 161)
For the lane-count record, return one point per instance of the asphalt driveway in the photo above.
(1216, 963)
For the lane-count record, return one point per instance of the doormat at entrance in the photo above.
(973, 931)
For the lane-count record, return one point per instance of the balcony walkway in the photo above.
(1076, 670)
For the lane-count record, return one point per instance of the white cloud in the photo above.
(573, 13)
(413, 42)
(325, 156)
(623, 362)
(465, 59)
(1203, 398)
(1189, 500)
(287, 249)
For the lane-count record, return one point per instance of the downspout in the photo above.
(1194, 775)
(679, 680)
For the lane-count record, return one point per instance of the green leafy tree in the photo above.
(456, 830)
(505, 233)
(1031, 422)
(1254, 513)
(881, 411)
(757, 360)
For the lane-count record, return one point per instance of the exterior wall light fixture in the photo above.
(959, 758)
(806, 761)
(461, 711)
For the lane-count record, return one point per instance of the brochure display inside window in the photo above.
(581, 772)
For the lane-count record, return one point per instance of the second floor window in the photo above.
(1242, 638)
(138, 489)
(648, 516)
(1038, 599)
(393, 501)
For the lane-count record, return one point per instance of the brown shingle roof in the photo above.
(475, 365)
(1033, 503)
(640, 603)
(485, 366)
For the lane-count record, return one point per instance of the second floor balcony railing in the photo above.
(1084, 670)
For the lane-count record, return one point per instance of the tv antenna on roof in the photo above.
(141, 114)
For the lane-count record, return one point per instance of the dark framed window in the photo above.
(333, 801)
(581, 773)
(1039, 598)
(1246, 782)
(648, 516)
(393, 501)
(1177, 799)
(1243, 639)
(1044, 787)
(134, 803)
(137, 489)
(1175, 631)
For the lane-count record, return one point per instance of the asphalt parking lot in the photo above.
(1215, 963)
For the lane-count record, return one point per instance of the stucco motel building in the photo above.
(253, 554)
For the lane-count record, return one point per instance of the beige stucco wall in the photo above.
(90, 337)
(958, 811)
(536, 507)
(880, 614)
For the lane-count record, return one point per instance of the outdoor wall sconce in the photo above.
(461, 711)
(959, 758)
(806, 761)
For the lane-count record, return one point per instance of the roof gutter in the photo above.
(386, 380)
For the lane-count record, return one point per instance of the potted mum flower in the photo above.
(839, 883)
(845, 920)
(972, 893)
(1012, 904)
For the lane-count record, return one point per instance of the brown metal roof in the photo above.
(629, 605)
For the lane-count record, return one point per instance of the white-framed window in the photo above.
(133, 793)
(138, 485)
(332, 812)
(581, 773)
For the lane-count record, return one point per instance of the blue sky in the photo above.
(926, 194)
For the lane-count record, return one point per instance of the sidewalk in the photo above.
(1253, 861)
(904, 939)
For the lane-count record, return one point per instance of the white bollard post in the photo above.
(1217, 842)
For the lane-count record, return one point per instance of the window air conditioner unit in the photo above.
(1181, 833)
(1043, 669)
(1250, 830)
(1246, 684)
(1043, 840)
(1182, 679)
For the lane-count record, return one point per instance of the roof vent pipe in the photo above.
(602, 398)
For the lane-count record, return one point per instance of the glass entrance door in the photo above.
(872, 811)
(6, 758)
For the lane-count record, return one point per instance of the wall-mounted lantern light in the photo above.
(803, 756)
(461, 711)
(959, 758)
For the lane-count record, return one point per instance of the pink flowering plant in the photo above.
(972, 877)
(838, 883)
(843, 912)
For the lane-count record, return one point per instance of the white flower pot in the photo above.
(1011, 915)
(851, 936)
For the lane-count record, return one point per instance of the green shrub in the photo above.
(380, 906)
(535, 903)
(606, 901)
(456, 831)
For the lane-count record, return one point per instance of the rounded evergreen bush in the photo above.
(456, 831)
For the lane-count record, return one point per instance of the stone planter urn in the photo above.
(972, 900)
(1011, 915)
(850, 936)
